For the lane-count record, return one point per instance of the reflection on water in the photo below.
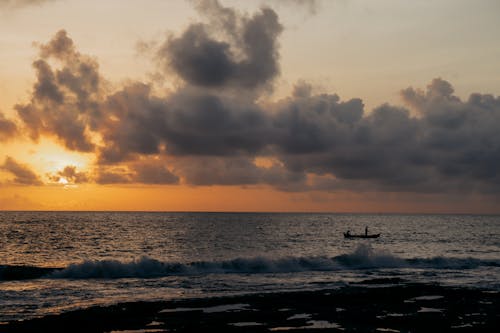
(168, 255)
(57, 238)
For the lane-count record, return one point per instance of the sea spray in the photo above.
(363, 257)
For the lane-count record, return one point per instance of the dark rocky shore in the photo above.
(374, 306)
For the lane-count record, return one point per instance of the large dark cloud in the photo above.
(214, 128)
(207, 124)
(451, 145)
(245, 54)
(312, 124)
(189, 122)
(23, 174)
(131, 121)
(461, 137)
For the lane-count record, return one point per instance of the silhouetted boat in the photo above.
(346, 235)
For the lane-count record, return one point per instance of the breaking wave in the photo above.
(364, 257)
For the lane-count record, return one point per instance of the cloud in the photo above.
(311, 124)
(200, 123)
(64, 100)
(244, 55)
(461, 137)
(153, 173)
(311, 5)
(240, 170)
(452, 145)
(70, 175)
(23, 174)
(117, 176)
(132, 123)
(8, 128)
(213, 128)
(189, 122)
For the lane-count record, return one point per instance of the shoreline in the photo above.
(375, 306)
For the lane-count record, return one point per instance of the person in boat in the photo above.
(366, 231)
(348, 233)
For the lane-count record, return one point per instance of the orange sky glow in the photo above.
(313, 106)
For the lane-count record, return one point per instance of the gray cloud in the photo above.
(105, 177)
(245, 55)
(23, 174)
(311, 124)
(71, 175)
(153, 173)
(237, 170)
(312, 6)
(131, 121)
(211, 129)
(462, 137)
(451, 146)
(207, 124)
(189, 122)
(63, 99)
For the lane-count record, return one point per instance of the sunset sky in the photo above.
(284, 105)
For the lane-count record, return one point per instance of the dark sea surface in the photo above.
(57, 261)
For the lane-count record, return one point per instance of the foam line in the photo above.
(364, 257)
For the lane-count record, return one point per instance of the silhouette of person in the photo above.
(366, 231)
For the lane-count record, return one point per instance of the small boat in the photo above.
(348, 235)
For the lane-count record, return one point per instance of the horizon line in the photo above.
(246, 212)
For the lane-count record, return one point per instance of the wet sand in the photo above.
(374, 306)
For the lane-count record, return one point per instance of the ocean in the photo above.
(52, 262)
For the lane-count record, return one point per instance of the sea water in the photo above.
(52, 262)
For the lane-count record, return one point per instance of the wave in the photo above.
(364, 257)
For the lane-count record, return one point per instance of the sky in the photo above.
(279, 105)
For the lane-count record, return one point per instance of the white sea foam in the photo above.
(364, 257)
